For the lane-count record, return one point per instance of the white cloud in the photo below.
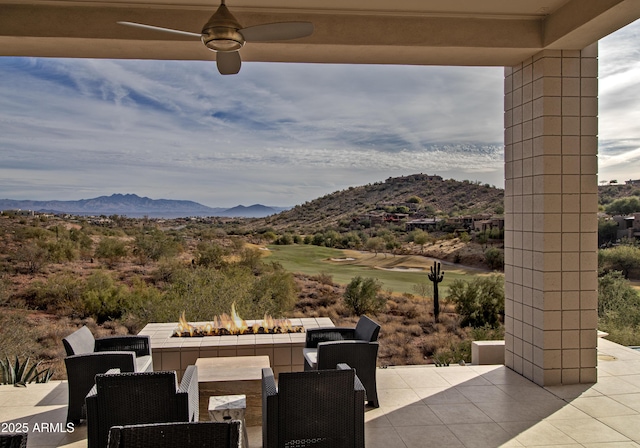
(72, 129)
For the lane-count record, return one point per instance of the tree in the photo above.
(624, 258)
(480, 301)
(607, 231)
(331, 238)
(420, 237)
(112, 250)
(494, 258)
(623, 206)
(362, 295)
(375, 244)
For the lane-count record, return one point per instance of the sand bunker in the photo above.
(264, 248)
(401, 269)
(342, 259)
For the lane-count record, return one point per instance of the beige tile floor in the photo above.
(424, 406)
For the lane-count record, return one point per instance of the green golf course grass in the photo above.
(398, 273)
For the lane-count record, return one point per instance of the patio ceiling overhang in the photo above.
(417, 32)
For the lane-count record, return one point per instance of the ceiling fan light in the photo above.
(222, 39)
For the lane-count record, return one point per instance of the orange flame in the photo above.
(234, 324)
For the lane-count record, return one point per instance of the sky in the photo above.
(80, 128)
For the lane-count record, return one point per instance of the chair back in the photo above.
(13, 440)
(183, 435)
(367, 329)
(79, 342)
(359, 355)
(141, 397)
(316, 407)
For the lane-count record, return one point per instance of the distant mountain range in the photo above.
(135, 206)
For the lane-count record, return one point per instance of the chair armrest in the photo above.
(317, 335)
(269, 409)
(189, 389)
(141, 345)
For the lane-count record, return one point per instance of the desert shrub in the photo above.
(457, 352)
(323, 278)
(273, 293)
(284, 240)
(81, 238)
(141, 301)
(363, 296)
(32, 257)
(618, 301)
(154, 246)
(251, 258)
(480, 301)
(624, 258)
(618, 309)
(61, 250)
(166, 271)
(24, 233)
(487, 333)
(17, 334)
(111, 250)
(58, 291)
(210, 254)
(494, 258)
(103, 298)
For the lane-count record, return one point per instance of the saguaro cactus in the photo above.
(436, 277)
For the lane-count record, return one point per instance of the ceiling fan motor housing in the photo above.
(222, 39)
(221, 33)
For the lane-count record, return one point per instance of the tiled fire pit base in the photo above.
(284, 350)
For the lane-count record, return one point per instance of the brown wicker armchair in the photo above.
(139, 398)
(87, 356)
(357, 347)
(13, 440)
(171, 435)
(322, 408)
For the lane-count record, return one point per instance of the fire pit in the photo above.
(225, 325)
(176, 353)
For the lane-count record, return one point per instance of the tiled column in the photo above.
(551, 204)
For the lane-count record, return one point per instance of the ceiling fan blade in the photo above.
(158, 28)
(277, 31)
(228, 62)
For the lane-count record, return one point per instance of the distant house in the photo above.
(426, 224)
(18, 212)
(632, 182)
(495, 222)
(628, 226)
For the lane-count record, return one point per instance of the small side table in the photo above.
(229, 407)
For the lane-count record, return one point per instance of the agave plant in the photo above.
(19, 374)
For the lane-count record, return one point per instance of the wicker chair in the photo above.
(13, 440)
(138, 398)
(357, 347)
(171, 435)
(87, 356)
(365, 330)
(322, 408)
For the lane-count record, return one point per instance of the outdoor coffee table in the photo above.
(230, 407)
(239, 375)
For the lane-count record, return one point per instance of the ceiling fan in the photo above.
(223, 34)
